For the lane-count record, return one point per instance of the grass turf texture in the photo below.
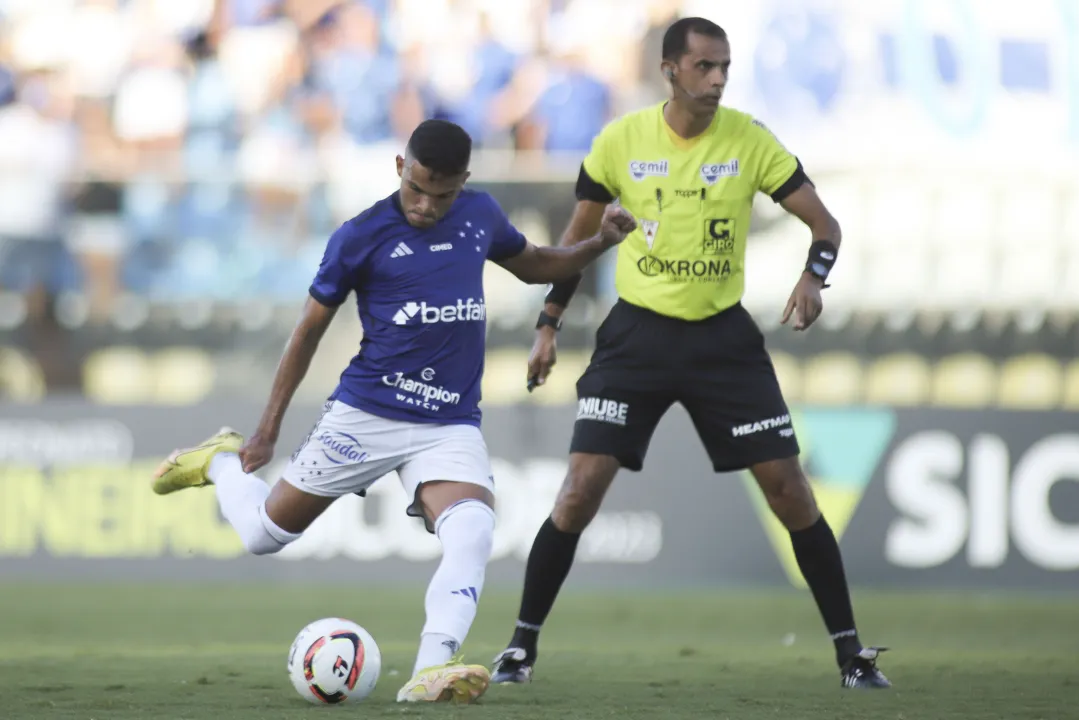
(192, 652)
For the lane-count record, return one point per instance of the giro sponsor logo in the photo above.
(341, 448)
(421, 394)
(464, 311)
(640, 169)
(711, 270)
(760, 426)
(719, 235)
(350, 529)
(608, 411)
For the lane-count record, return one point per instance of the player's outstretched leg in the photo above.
(466, 530)
(243, 498)
(551, 558)
(815, 547)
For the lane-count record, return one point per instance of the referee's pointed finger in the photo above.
(787, 311)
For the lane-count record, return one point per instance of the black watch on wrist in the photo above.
(546, 320)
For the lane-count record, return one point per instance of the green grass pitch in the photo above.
(187, 652)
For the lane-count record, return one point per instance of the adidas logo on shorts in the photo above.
(401, 250)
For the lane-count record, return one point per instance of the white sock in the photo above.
(467, 533)
(242, 497)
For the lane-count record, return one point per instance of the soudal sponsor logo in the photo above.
(341, 448)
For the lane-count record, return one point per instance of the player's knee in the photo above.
(265, 537)
(581, 495)
(792, 501)
(467, 528)
(573, 512)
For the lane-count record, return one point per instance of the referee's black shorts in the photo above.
(717, 368)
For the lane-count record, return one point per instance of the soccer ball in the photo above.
(334, 661)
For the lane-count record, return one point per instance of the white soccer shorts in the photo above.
(348, 450)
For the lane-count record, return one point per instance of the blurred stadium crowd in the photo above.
(170, 169)
(199, 147)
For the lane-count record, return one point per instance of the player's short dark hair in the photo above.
(441, 146)
(676, 39)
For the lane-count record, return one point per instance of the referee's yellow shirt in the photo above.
(692, 201)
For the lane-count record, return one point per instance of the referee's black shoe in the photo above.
(860, 672)
(512, 665)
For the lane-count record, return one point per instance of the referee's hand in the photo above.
(543, 357)
(805, 302)
(617, 223)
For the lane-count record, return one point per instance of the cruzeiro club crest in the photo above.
(840, 452)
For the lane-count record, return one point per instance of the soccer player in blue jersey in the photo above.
(409, 399)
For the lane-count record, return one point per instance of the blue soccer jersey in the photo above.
(420, 296)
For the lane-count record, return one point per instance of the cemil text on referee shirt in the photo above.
(692, 200)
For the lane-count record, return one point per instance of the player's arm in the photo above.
(800, 199)
(583, 224)
(291, 370)
(558, 264)
(594, 194)
(335, 279)
(805, 204)
(597, 187)
(782, 177)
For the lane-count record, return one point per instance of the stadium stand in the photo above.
(964, 381)
(167, 183)
(902, 379)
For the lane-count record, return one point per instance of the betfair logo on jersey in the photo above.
(464, 311)
(684, 270)
(840, 452)
(712, 172)
(640, 169)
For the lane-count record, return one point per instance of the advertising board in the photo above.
(919, 498)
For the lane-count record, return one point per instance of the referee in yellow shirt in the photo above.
(688, 172)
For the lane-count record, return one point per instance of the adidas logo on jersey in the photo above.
(401, 250)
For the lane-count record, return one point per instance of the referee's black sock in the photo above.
(549, 563)
(818, 557)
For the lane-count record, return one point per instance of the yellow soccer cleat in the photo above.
(187, 467)
(453, 682)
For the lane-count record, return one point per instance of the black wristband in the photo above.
(821, 259)
(560, 293)
(545, 320)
